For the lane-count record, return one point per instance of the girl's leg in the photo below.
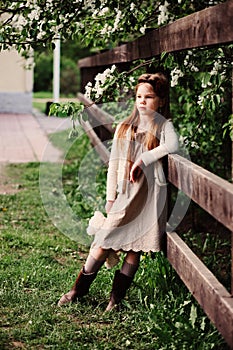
(123, 278)
(131, 263)
(95, 259)
(86, 276)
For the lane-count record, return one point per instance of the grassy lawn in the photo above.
(43, 94)
(39, 263)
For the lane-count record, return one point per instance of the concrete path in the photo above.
(24, 138)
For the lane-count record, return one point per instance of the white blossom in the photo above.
(132, 6)
(194, 68)
(194, 145)
(88, 89)
(113, 68)
(132, 80)
(200, 101)
(41, 34)
(163, 16)
(143, 29)
(100, 79)
(186, 60)
(117, 20)
(99, 91)
(215, 69)
(34, 14)
(189, 64)
(89, 4)
(107, 29)
(103, 11)
(175, 75)
(183, 140)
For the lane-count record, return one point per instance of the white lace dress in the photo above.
(137, 219)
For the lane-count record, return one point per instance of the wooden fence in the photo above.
(206, 28)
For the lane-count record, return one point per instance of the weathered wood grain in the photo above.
(208, 190)
(208, 27)
(210, 294)
(96, 142)
(102, 117)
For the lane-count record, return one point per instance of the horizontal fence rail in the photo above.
(206, 289)
(212, 193)
(100, 116)
(208, 27)
(96, 142)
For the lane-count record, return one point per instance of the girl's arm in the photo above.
(170, 145)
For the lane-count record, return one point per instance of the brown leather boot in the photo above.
(120, 285)
(79, 289)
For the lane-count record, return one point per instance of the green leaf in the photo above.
(203, 323)
(163, 55)
(193, 315)
(206, 78)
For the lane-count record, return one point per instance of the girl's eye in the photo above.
(149, 96)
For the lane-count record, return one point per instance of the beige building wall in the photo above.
(13, 75)
(16, 83)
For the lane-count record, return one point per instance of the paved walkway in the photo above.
(24, 138)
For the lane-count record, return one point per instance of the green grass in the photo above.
(38, 263)
(40, 106)
(43, 94)
(49, 95)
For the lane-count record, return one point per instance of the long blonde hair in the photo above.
(159, 83)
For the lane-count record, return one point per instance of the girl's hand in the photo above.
(108, 206)
(136, 170)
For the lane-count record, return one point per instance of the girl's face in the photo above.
(147, 101)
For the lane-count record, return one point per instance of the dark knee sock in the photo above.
(129, 269)
(92, 265)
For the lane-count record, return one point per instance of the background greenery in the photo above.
(71, 52)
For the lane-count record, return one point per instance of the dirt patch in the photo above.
(7, 184)
(18, 344)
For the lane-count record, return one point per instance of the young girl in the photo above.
(136, 191)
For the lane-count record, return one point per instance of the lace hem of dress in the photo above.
(148, 243)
